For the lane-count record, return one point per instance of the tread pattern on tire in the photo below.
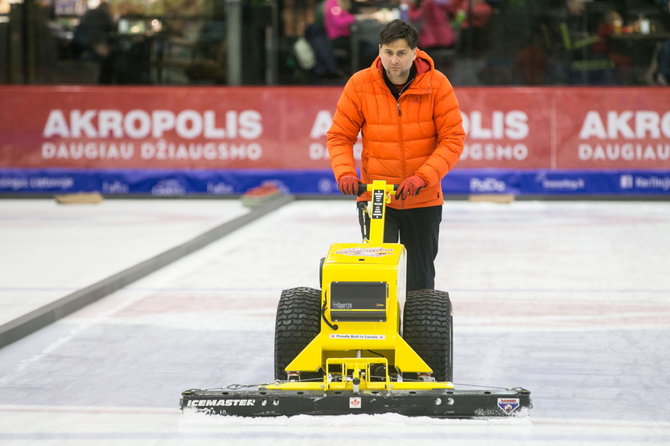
(427, 328)
(298, 322)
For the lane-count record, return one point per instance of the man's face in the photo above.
(397, 58)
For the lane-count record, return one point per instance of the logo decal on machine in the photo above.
(221, 402)
(367, 337)
(364, 252)
(355, 402)
(508, 405)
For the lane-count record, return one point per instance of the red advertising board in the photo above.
(284, 127)
(190, 128)
(605, 128)
(507, 127)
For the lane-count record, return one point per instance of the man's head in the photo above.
(397, 29)
(397, 45)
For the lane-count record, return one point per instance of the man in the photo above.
(412, 136)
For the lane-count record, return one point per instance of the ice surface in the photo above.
(51, 250)
(568, 299)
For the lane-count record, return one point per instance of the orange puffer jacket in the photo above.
(420, 134)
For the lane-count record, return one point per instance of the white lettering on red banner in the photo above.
(161, 150)
(495, 152)
(501, 125)
(626, 124)
(322, 123)
(625, 152)
(140, 124)
(285, 128)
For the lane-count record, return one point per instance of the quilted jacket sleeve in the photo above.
(344, 131)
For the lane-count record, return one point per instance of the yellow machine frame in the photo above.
(357, 341)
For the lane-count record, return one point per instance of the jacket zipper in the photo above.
(400, 94)
(402, 205)
(402, 136)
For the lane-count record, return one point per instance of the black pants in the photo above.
(419, 230)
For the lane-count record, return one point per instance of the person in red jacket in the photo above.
(412, 133)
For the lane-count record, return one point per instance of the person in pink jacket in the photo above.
(337, 19)
(433, 18)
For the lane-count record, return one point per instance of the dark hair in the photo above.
(397, 29)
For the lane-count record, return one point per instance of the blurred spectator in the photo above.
(210, 52)
(533, 60)
(658, 72)
(478, 12)
(611, 24)
(659, 69)
(432, 18)
(663, 74)
(473, 17)
(93, 40)
(337, 21)
(316, 34)
(578, 61)
(92, 35)
(296, 15)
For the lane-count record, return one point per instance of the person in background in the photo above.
(296, 15)
(92, 40)
(317, 36)
(659, 69)
(337, 21)
(579, 62)
(478, 12)
(611, 24)
(663, 70)
(92, 35)
(472, 16)
(658, 72)
(532, 60)
(433, 20)
(411, 126)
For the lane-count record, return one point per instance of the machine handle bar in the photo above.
(362, 188)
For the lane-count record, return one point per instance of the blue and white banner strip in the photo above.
(321, 182)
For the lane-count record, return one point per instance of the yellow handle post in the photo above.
(381, 196)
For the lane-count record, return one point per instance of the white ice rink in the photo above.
(570, 300)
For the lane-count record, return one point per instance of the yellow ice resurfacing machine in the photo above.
(362, 344)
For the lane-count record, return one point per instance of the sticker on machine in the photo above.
(364, 252)
(355, 402)
(367, 337)
(508, 405)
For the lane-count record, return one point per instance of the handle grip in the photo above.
(362, 188)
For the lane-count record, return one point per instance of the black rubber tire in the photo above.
(427, 328)
(298, 322)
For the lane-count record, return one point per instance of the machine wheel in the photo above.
(298, 322)
(427, 328)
